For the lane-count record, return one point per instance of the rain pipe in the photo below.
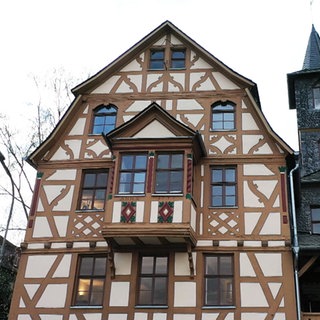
(295, 246)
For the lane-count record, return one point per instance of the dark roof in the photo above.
(312, 56)
(309, 242)
(313, 177)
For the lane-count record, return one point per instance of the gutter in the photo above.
(295, 244)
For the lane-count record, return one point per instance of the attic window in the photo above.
(178, 58)
(156, 59)
(105, 117)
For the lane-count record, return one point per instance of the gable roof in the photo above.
(165, 28)
(172, 129)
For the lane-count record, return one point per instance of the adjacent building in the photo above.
(160, 195)
(304, 97)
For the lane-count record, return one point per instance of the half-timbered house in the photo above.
(160, 195)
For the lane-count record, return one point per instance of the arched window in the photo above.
(104, 119)
(223, 116)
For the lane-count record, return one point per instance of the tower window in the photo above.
(316, 97)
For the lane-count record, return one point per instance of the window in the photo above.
(223, 116)
(223, 186)
(178, 58)
(316, 97)
(104, 119)
(169, 173)
(133, 173)
(218, 277)
(315, 220)
(153, 281)
(90, 281)
(94, 189)
(156, 59)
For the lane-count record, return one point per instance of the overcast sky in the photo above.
(262, 40)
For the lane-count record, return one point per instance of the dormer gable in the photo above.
(154, 127)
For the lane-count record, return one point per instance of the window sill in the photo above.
(235, 207)
(218, 307)
(223, 130)
(151, 307)
(167, 194)
(89, 210)
(130, 195)
(86, 307)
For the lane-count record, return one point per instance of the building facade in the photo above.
(160, 195)
(304, 96)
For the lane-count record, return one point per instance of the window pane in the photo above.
(162, 179)
(141, 162)
(161, 265)
(226, 265)
(226, 291)
(230, 175)
(139, 177)
(217, 190)
(176, 181)
(89, 180)
(157, 54)
(230, 201)
(86, 199)
(217, 175)
(127, 162)
(147, 265)
(163, 161)
(145, 292)
(316, 228)
(86, 266)
(212, 287)
(102, 179)
(315, 214)
(177, 161)
(82, 297)
(100, 266)
(217, 201)
(211, 265)
(160, 289)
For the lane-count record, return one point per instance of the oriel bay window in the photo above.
(93, 190)
(90, 281)
(218, 278)
(169, 173)
(153, 281)
(133, 169)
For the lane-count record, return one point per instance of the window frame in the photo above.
(154, 61)
(170, 170)
(133, 171)
(219, 276)
(315, 222)
(224, 184)
(112, 113)
(223, 111)
(153, 276)
(92, 277)
(178, 60)
(95, 188)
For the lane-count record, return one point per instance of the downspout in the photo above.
(295, 247)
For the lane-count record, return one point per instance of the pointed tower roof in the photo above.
(312, 57)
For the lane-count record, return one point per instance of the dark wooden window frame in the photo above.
(96, 189)
(132, 173)
(90, 294)
(170, 171)
(220, 278)
(220, 112)
(102, 115)
(223, 184)
(153, 278)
